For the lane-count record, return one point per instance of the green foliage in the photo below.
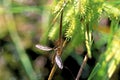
(80, 17)
(109, 61)
(94, 71)
(111, 11)
(80, 20)
(17, 42)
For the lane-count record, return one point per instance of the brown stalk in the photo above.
(52, 72)
(60, 33)
(59, 50)
(82, 66)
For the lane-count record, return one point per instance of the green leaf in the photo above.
(94, 71)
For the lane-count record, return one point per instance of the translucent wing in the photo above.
(44, 48)
(58, 61)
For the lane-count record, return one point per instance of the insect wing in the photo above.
(58, 61)
(44, 48)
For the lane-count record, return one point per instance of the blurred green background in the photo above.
(22, 23)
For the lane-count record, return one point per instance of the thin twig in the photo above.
(52, 72)
(82, 66)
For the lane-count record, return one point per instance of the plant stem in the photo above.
(59, 50)
(52, 72)
(82, 66)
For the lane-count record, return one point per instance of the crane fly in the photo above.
(58, 50)
(58, 59)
